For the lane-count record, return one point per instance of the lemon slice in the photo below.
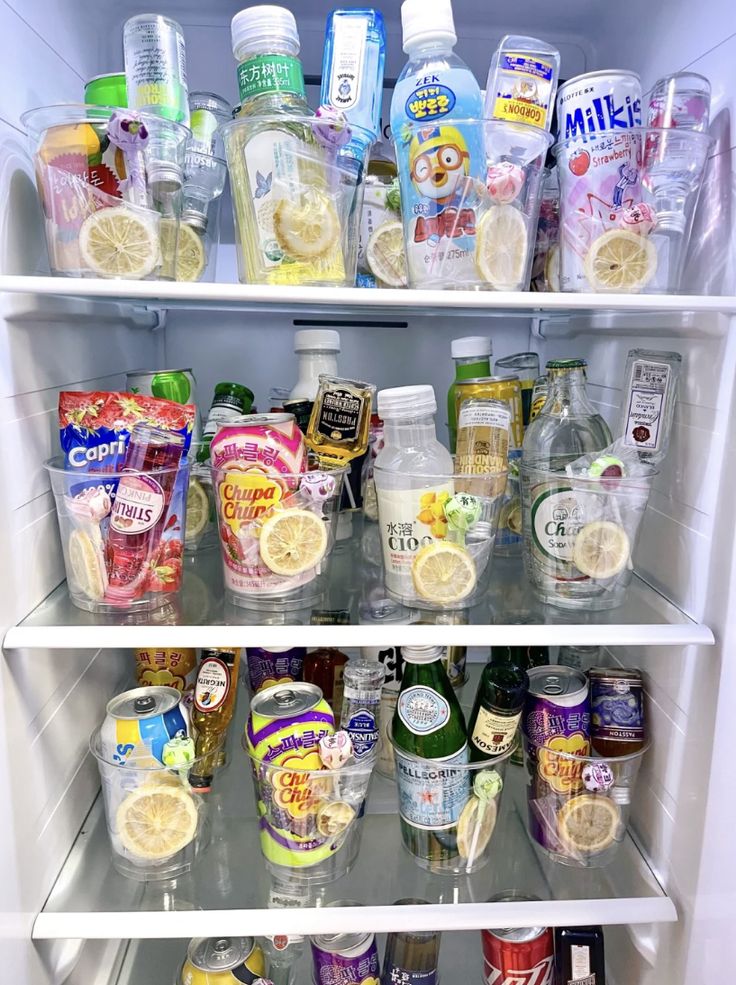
(601, 549)
(293, 541)
(385, 254)
(552, 268)
(190, 255)
(198, 509)
(87, 565)
(587, 824)
(307, 228)
(620, 260)
(156, 821)
(118, 242)
(443, 573)
(334, 818)
(475, 827)
(511, 516)
(501, 248)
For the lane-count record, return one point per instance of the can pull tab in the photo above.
(142, 706)
(552, 685)
(285, 698)
(223, 944)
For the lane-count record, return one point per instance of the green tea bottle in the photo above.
(429, 724)
(472, 357)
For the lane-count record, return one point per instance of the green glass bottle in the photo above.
(496, 713)
(472, 357)
(429, 723)
(525, 657)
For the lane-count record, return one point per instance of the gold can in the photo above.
(170, 666)
(223, 961)
(505, 388)
(539, 396)
(482, 446)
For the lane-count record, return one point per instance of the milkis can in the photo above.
(345, 959)
(556, 720)
(598, 101)
(170, 666)
(523, 956)
(504, 388)
(275, 666)
(222, 961)
(139, 723)
(282, 737)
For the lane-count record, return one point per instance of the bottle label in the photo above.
(213, 684)
(156, 69)
(647, 399)
(270, 73)
(423, 710)
(363, 731)
(339, 415)
(523, 89)
(494, 734)
(407, 976)
(410, 519)
(580, 964)
(439, 165)
(617, 708)
(226, 409)
(348, 53)
(431, 793)
(558, 513)
(139, 504)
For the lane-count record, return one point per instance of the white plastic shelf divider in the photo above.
(202, 616)
(346, 299)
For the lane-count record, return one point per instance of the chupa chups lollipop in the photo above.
(640, 218)
(335, 750)
(607, 466)
(504, 182)
(597, 776)
(462, 511)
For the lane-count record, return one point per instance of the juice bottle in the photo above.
(440, 158)
(472, 358)
(215, 691)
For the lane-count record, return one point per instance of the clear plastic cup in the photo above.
(310, 820)
(627, 203)
(580, 535)
(297, 200)
(579, 806)
(90, 546)
(135, 792)
(108, 175)
(204, 182)
(276, 532)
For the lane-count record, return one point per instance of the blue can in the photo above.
(139, 723)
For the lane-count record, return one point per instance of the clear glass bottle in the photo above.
(361, 705)
(316, 349)
(522, 81)
(472, 357)
(410, 466)
(648, 404)
(208, 112)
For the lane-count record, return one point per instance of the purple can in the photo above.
(556, 720)
(343, 959)
(279, 665)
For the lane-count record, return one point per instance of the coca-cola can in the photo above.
(517, 956)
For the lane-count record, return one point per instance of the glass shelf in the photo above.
(202, 617)
(230, 890)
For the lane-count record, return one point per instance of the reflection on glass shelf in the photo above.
(231, 892)
(357, 611)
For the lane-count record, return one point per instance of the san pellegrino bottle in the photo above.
(440, 158)
(429, 724)
(472, 357)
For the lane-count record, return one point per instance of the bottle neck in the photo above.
(410, 432)
(427, 49)
(270, 76)
(567, 395)
(468, 367)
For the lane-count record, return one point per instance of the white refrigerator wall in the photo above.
(50, 701)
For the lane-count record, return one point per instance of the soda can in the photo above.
(139, 723)
(170, 666)
(178, 385)
(344, 957)
(598, 101)
(482, 445)
(106, 90)
(505, 388)
(288, 721)
(523, 956)
(222, 961)
(276, 666)
(539, 397)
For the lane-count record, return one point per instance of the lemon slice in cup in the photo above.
(198, 509)
(475, 827)
(443, 573)
(620, 260)
(601, 549)
(501, 247)
(118, 242)
(308, 227)
(156, 821)
(87, 565)
(293, 541)
(552, 269)
(334, 818)
(386, 255)
(587, 824)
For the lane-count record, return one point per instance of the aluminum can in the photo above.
(344, 958)
(523, 956)
(274, 667)
(539, 396)
(222, 961)
(505, 388)
(289, 721)
(598, 101)
(482, 446)
(139, 723)
(170, 666)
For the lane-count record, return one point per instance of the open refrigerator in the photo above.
(668, 902)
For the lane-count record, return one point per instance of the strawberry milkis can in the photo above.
(222, 961)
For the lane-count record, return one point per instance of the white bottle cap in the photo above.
(265, 21)
(425, 21)
(472, 345)
(325, 339)
(406, 401)
(422, 654)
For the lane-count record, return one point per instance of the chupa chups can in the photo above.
(170, 666)
(598, 101)
(222, 961)
(340, 959)
(139, 723)
(286, 723)
(505, 388)
(523, 956)
(276, 666)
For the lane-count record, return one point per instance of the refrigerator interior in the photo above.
(52, 699)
